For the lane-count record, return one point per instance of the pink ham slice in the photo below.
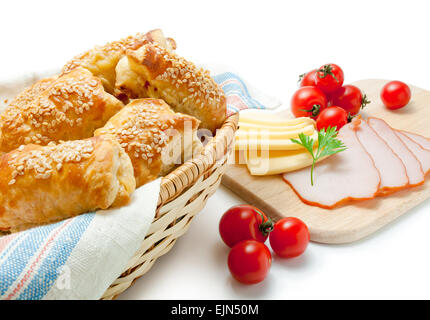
(347, 175)
(390, 167)
(422, 141)
(422, 154)
(413, 166)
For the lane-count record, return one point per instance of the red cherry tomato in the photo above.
(249, 261)
(244, 222)
(329, 78)
(308, 102)
(289, 238)
(395, 95)
(349, 98)
(307, 79)
(332, 117)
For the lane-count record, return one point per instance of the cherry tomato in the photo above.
(308, 102)
(329, 78)
(249, 261)
(244, 222)
(290, 237)
(395, 95)
(332, 117)
(307, 79)
(349, 98)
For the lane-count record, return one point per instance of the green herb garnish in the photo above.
(364, 101)
(327, 145)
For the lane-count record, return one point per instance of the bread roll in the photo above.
(152, 71)
(69, 107)
(156, 138)
(102, 60)
(42, 184)
(29, 94)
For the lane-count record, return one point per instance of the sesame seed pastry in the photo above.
(43, 184)
(29, 94)
(152, 71)
(69, 107)
(102, 60)
(156, 138)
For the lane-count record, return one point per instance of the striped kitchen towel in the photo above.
(79, 258)
(240, 94)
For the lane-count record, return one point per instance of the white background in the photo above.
(269, 43)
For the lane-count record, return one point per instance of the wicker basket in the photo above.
(183, 194)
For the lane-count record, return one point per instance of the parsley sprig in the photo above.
(364, 101)
(327, 145)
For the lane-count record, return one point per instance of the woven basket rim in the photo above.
(173, 184)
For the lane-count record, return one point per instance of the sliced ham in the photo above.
(390, 167)
(422, 154)
(348, 175)
(413, 166)
(422, 141)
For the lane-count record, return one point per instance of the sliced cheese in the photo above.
(272, 120)
(258, 126)
(269, 134)
(277, 162)
(263, 143)
(271, 144)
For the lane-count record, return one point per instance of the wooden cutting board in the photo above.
(353, 221)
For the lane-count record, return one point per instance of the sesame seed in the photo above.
(183, 74)
(143, 136)
(40, 117)
(40, 162)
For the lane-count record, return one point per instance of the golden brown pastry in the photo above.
(42, 184)
(156, 138)
(155, 72)
(102, 60)
(29, 94)
(69, 107)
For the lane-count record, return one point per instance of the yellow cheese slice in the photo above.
(272, 120)
(253, 126)
(242, 134)
(271, 144)
(277, 162)
(263, 143)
